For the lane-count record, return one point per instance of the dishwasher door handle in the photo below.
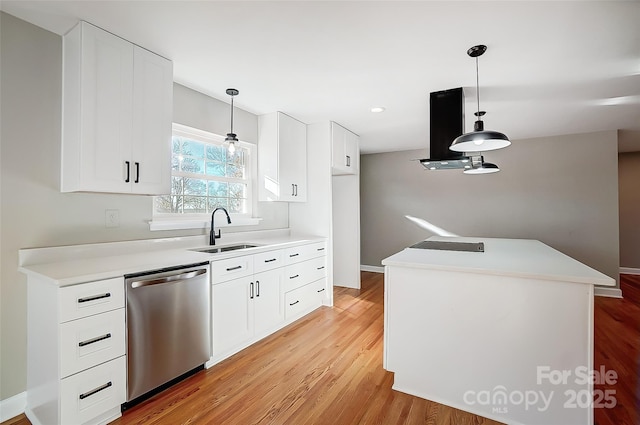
(167, 279)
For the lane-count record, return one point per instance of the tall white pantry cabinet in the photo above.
(117, 114)
(332, 209)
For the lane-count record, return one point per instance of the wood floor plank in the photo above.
(326, 368)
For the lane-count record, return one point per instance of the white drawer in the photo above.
(90, 298)
(92, 340)
(267, 260)
(92, 393)
(304, 252)
(301, 300)
(300, 274)
(320, 287)
(232, 268)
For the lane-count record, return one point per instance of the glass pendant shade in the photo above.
(231, 138)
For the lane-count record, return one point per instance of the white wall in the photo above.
(629, 186)
(560, 190)
(34, 213)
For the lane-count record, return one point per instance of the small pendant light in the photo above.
(231, 138)
(479, 139)
(484, 168)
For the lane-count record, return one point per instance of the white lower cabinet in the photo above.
(76, 372)
(94, 395)
(245, 308)
(268, 308)
(232, 314)
(305, 284)
(91, 341)
(285, 284)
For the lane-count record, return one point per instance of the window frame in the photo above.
(175, 221)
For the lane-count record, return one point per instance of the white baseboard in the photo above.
(13, 406)
(629, 270)
(599, 291)
(374, 269)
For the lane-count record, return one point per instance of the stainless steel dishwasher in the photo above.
(168, 325)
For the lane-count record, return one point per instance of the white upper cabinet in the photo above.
(345, 154)
(282, 158)
(117, 114)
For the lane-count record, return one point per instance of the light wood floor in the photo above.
(327, 369)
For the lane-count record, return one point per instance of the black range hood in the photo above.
(446, 123)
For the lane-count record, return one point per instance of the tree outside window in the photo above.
(205, 176)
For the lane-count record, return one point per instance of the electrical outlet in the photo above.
(112, 218)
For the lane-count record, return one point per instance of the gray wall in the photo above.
(560, 190)
(629, 187)
(34, 213)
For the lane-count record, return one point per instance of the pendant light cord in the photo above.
(231, 114)
(477, 89)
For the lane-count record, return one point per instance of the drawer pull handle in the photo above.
(233, 268)
(271, 260)
(93, 298)
(95, 390)
(294, 255)
(294, 276)
(320, 249)
(320, 268)
(320, 290)
(294, 303)
(94, 340)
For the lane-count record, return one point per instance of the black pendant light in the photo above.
(482, 168)
(231, 138)
(479, 139)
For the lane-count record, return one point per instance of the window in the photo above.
(205, 176)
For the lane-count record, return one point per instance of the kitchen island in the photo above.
(506, 333)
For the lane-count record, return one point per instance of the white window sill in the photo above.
(182, 224)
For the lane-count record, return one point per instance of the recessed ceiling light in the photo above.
(377, 109)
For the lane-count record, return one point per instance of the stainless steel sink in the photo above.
(215, 250)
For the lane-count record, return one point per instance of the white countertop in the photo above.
(62, 267)
(513, 257)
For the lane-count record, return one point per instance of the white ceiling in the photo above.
(551, 67)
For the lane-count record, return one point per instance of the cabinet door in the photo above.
(292, 159)
(152, 116)
(338, 154)
(351, 152)
(105, 97)
(345, 154)
(232, 314)
(268, 306)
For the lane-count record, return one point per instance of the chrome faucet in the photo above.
(212, 234)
